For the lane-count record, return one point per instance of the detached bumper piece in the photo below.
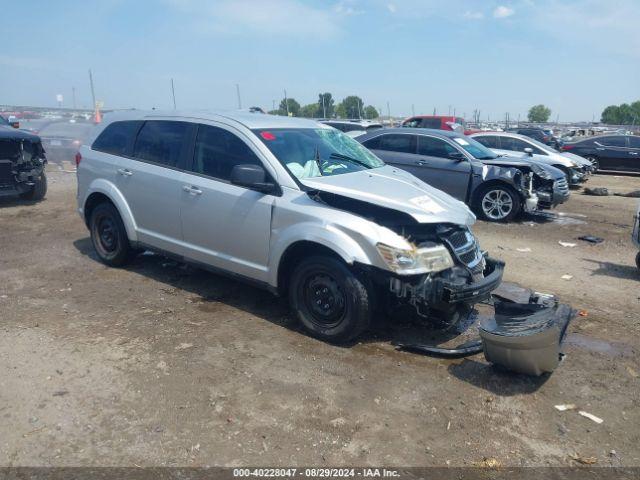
(526, 337)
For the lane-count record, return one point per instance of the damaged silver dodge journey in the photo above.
(290, 204)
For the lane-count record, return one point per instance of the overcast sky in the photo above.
(576, 56)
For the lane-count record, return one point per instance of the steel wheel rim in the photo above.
(497, 204)
(107, 234)
(324, 300)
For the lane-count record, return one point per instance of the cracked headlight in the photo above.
(416, 261)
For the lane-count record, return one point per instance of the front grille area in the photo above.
(6, 173)
(561, 185)
(464, 247)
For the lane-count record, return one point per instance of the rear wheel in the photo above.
(109, 236)
(330, 301)
(38, 191)
(594, 161)
(498, 203)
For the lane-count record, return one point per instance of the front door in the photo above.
(224, 225)
(612, 152)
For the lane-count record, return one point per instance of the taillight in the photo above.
(78, 159)
(564, 148)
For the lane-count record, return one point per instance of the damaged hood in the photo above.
(525, 162)
(398, 190)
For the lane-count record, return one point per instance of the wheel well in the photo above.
(293, 254)
(92, 202)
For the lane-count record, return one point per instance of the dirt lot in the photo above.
(161, 364)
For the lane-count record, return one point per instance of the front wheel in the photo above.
(594, 161)
(38, 191)
(498, 203)
(330, 301)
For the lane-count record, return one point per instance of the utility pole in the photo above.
(286, 103)
(388, 112)
(434, 111)
(93, 92)
(413, 110)
(173, 94)
(238, 92)
(324, 107)
(73, 96)
(454, 111)
(360, 109)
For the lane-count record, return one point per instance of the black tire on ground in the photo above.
(329, 300)
(38, 191)
(109, 236)
(594, 161)
(638, 260)
(498, 194)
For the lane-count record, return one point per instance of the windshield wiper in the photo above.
(347, 158)
(316, 157)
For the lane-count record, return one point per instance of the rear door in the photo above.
(225, 225)
(397, 149)
(151, 182)
(612, 152)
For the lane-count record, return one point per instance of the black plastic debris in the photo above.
(597, 192)
(591, 239)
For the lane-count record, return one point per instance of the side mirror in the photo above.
(457, 156)
(528, 151)
(253, 177)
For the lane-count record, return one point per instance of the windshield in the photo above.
(475, 148)
(315, 152)
(3, 121)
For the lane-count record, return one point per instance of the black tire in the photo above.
(109, 236)
(594, 161)
(482, 203)
(638, 260)
(329, 300)
(38, 191)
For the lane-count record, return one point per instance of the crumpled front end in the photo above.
(22, 162)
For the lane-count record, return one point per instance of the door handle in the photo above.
(192, 190)
(633, 153)
(125, 172)
(422, 163)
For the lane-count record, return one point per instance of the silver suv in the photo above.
(293, 205)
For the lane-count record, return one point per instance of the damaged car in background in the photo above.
(498, 188)
(22, 163)
(289, 204)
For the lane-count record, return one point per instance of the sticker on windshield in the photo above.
(427, 203)
(461, 141)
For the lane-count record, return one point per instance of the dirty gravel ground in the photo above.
(159, 364)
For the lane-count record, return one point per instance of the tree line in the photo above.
(350, 107)
(623, 114)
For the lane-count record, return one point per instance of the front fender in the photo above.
(327, 235)
(105, 187)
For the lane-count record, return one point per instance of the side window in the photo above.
(217, 151)
(117, 137)
(373, 144)
(398, 143)
(412, 123)
(513, 144)
(161, 142)
(434, 123)
(489, 141)
(434, 147)
(613, 141)
(634, 142)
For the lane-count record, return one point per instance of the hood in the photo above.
(526, 162)
(398, 190)
(555, 158)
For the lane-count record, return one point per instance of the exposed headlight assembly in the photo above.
(416, 261)
(541, 172)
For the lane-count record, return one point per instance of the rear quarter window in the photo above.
(117, 138)
(161, 142)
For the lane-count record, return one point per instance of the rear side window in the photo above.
(398, 143)
(373, 143)
(613, 141)
(434, 123)
(161, 142)
(634, 142)
(513, 144)
(117, 137)
(489, 141)
(218, 151)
